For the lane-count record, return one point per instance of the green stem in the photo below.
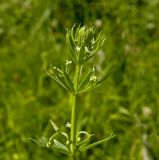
(73, 157)
(74, 113)
(73, 123)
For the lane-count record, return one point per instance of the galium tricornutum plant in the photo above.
(83, 44)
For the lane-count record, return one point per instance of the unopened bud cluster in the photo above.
(83, 43)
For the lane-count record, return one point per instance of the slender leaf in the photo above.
(105, 77)
(84, 132)
(85, 90)
(97, 143)
(54, 125)
(68, 81)
(71, 51)
(40, 141)
(58, 146)
(85, 80)
(58, 80)
(85, 141)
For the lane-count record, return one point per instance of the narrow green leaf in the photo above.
(57, 80)
(58, 146)
(40, 141)
(105, 77)
(64, 136)
(85, 90)
(53, 136)
(54, 125)
(97, 143)
(68, 81)
(62, 84)
(85, 141)
(85, 80)
(88, 57)
(83, 132)
(70, 46)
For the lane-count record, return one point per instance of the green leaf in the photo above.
(85, 80)
(68, 81)
(62, 84)
(40, 141)
(53, 136)
(90, 87)
(83, 132)
(81, 54)
(106, 76)
(57, 80)
(64, 136)
(58, 146)
(54, 125)
(85, 141)
(97, 143)
(85, 90)
(70, 44)
(87, 58)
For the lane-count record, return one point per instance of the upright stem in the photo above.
(74, 113)
(73, 123)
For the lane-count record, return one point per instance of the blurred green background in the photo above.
(32, 34)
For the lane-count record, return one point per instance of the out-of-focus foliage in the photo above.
(32, 34)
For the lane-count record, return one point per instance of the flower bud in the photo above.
(83, 43)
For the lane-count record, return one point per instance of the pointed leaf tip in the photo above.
(54, 125)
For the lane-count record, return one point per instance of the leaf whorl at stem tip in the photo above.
(83, 43)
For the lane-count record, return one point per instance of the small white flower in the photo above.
(68, 62)
(68, 125)
(93, 41)
(93, 78)
(87, 50)
(78, 48)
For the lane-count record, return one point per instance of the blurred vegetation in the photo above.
(32, 34)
